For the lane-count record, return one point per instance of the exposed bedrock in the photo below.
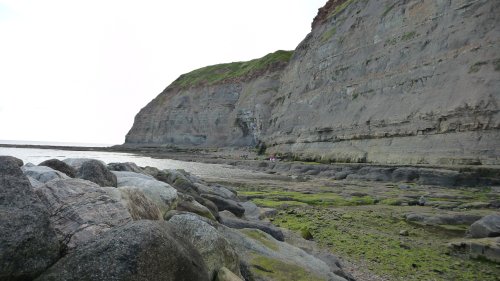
(403, 82)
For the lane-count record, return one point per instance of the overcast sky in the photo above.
(79, 71)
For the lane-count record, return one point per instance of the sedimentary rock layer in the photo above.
(375, 81)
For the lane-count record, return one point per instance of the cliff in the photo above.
(375, 81)
(220, 105)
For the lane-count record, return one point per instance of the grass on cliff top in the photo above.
(210, 75)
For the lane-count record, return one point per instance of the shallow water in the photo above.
(209, 171)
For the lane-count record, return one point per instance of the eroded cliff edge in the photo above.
(215, 106)
(405, 82)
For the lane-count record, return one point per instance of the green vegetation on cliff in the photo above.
(213, 74)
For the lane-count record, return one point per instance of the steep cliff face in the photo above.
(221, 105)
(410, 81)
(394, 82)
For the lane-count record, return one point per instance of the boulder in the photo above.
(127, 174)
(265, 258)
(225, 204)
(60, 166)
(488, 226)
(240, 224)
(483, 248)
(35, 183)
(28, 243)
(162, 194)
(218, 190)
(253, 212)
(96, 171)
(80, 210)
(448, 219)
(209, 204)
(41, 173)
(138, 251)
(312, 248)
(77, 163)
(188, 204)
(126, 167)
(213, 247)
(137, 203)
(12, 162)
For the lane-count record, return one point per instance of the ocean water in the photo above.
(55, 143)
(208, 171)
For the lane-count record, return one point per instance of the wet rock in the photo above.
(138, 204)
(265, 227)
(312, 248)
(42, 174)
(488, 226)
(188, 204)
(125, 167)
(225, 204)
(95, 171)
(218, 190)
(213, 247)
(252, 212)
(135, 252)
(162, 194)
(266, 258)
(28, 243)
(80, 210)
(35, 183)
(60, 166)
(484, 248)
(77, 163)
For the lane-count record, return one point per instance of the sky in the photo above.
(79, 71)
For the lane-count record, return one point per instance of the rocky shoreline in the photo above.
(80, 204)
(80, 219)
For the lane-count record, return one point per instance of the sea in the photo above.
(203, 170)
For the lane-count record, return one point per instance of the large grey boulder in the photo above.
(213, 247)
(80, 210)
(138, 251)
(127, 167)
(140, 206)
(162, 194)
(77, 163)
(215, 189)
(265, 258)
(483, 248)
(41, 173)
(60, 166)
(28, 243)
(96, 171)
(225, 204)
(488, 226)
(120, 175)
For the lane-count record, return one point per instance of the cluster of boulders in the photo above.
(482, 236)
(80, 219)
(483, 239)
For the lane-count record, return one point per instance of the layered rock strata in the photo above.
(403, 82)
